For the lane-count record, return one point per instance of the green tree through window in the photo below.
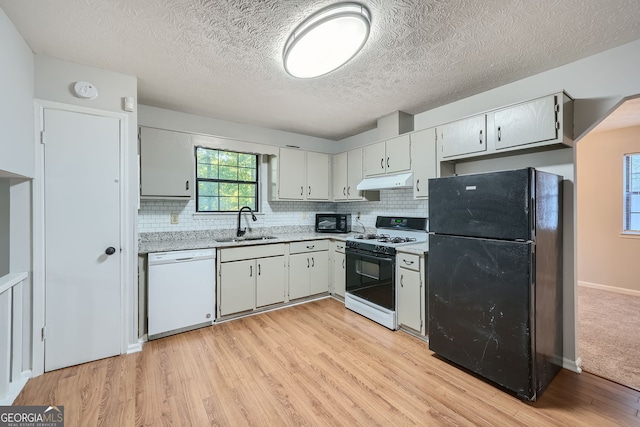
(226, 180)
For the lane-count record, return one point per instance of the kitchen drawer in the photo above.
(408, 261)
(308, 246)
(250, 252)
(339, 245)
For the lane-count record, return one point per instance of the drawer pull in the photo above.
(311, 247)
(408, 262)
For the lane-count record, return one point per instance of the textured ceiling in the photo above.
(626, 115)
(222, 59)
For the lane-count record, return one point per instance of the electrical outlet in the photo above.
(304, 215)
(174, 218)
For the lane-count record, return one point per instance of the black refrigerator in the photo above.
(495, 276)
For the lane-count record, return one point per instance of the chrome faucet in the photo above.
(240, 232)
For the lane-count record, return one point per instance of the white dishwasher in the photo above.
(181, 293)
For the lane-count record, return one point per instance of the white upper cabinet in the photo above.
(424, 162)
(398, 154)
(317, 176)
(166, 164)
(291, 171)
(463, 136)
(347, 174)
(340, 176)
(374, 159)
(299, 175)
(391, 156)
(528, 123)
(354, 176)
(535, 124)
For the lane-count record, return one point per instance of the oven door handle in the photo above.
(370, 256)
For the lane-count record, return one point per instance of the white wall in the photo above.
(16, 104)
(605, 256)
(17, 163)
(174, 120)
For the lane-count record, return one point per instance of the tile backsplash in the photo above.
(155, 215)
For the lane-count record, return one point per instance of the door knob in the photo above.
(110, 250)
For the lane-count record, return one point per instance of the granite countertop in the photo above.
(165, 242)
(418, 248)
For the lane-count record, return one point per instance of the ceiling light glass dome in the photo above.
(326, 40)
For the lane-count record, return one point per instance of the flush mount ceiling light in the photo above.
(326, 40)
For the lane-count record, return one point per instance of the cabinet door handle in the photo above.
(251, 271)
(348, 190)
(259, 269)
(382, 163)
(344, 191)
(301, 190)
(402, 280)
(309, 190)
(417, 185)
(313, 263)
(499, 133)
(343, 263)
(480, 136)
(387, 163)
(186, 186)
(307, 262)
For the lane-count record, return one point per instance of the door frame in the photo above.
(129, 342)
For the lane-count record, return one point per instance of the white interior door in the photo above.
(82, 220)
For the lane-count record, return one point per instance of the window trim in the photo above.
(626, 181)
(197, 180)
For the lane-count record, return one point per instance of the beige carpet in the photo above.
(609, 335)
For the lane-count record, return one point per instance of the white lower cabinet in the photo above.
(338, 281)
(308, 268)
(250, 277)
(270, 281)
(237, 287)
(411, 292)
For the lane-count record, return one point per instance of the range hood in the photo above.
(402, 180)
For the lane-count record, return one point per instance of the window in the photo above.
(225, 180)
(632, 192)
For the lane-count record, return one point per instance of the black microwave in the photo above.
(333, 223)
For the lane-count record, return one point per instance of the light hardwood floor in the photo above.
(311, 364)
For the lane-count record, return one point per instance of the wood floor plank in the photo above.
(311, 364)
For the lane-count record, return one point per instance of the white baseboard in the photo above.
(15, 388)
(625, 291)
(135, 348)
(572, 365)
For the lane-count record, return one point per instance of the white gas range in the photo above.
(371, 269)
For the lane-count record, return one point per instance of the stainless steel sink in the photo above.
(245, 239)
